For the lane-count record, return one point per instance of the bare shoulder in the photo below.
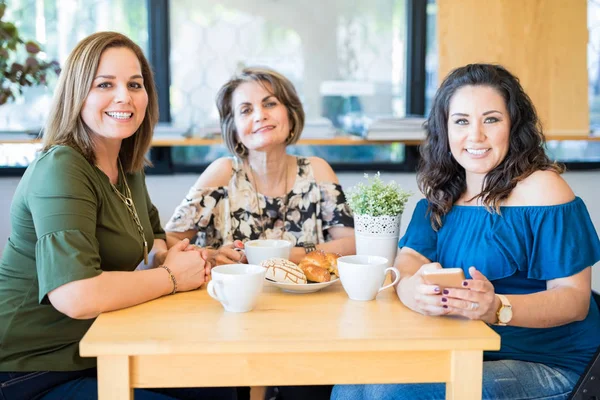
(322, 170)
(217, 174)
(542, 188)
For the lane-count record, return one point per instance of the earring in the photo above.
(290, 136)
(240, 149)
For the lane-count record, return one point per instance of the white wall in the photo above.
(7, 189)
(168, 191)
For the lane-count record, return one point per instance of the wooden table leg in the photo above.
(466, 374)
(114, 381)
(258, 392)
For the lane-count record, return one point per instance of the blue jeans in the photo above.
(502, 380)
(83, 385)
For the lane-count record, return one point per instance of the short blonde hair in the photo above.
(65, 125)
(281, 88)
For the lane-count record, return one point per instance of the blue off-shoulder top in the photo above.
(518, 250)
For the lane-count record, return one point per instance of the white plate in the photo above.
(302, 287)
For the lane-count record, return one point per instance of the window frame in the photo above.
(159, 56)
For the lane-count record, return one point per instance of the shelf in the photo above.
(164, 141)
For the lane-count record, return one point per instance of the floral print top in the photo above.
(224, 214)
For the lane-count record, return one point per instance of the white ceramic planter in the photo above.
(377, 236)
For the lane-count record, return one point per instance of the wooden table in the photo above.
(188, 340)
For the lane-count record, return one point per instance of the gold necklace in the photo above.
(260, 211)
(128, 201)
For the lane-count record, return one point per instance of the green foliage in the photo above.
(377, 198)
(16, 73)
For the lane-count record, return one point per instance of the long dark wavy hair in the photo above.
(442, 179)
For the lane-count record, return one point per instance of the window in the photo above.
(577, 154)
(431, 55)
(58, 26)
(347, 61)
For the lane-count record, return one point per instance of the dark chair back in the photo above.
(588, 386)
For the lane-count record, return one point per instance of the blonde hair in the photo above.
(281, 88)
(65, 125)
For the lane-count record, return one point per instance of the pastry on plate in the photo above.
(319, 265)
(282, 270)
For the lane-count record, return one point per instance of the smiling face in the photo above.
(478, 128)
(261, 120)
(116, 104)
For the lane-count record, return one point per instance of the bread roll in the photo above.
(316, 257)
(282, 270)
(315, 266)
(332, 260)
(321, 259)
(316, 274)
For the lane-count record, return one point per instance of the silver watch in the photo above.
(309, 246)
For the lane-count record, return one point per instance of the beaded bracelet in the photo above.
(172, 278)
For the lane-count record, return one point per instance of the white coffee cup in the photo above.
(237, 286)
(363, 276)
(262, 249)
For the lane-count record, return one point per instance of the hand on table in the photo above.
(205, 254)
(232, 253)
(188, 265)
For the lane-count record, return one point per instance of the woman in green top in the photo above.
(82, 221)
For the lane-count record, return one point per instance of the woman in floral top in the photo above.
(262, 192)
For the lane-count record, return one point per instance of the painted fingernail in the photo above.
(444, 299)
(465, 283)
(437, 289)
(446, 291)
(445, 306)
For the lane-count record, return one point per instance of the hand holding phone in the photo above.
(445, 277)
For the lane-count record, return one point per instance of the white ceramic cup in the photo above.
(363, 276)
(237, 286)
(259, 250)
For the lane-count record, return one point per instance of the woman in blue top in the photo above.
(497, 207)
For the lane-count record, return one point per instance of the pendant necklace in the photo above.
(260, 211)
(128, 201)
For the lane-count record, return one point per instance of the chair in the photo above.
(588, 386)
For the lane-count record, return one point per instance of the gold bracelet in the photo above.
(171, 276)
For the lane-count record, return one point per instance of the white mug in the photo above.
(262, 249)
(363, 276)
(237, 286)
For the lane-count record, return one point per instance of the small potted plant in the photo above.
(377, 209)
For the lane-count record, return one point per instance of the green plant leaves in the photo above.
(377, 198)
(8, 31)
(16, 73)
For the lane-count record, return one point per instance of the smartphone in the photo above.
(445, 277)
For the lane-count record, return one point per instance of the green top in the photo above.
(67, 224)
